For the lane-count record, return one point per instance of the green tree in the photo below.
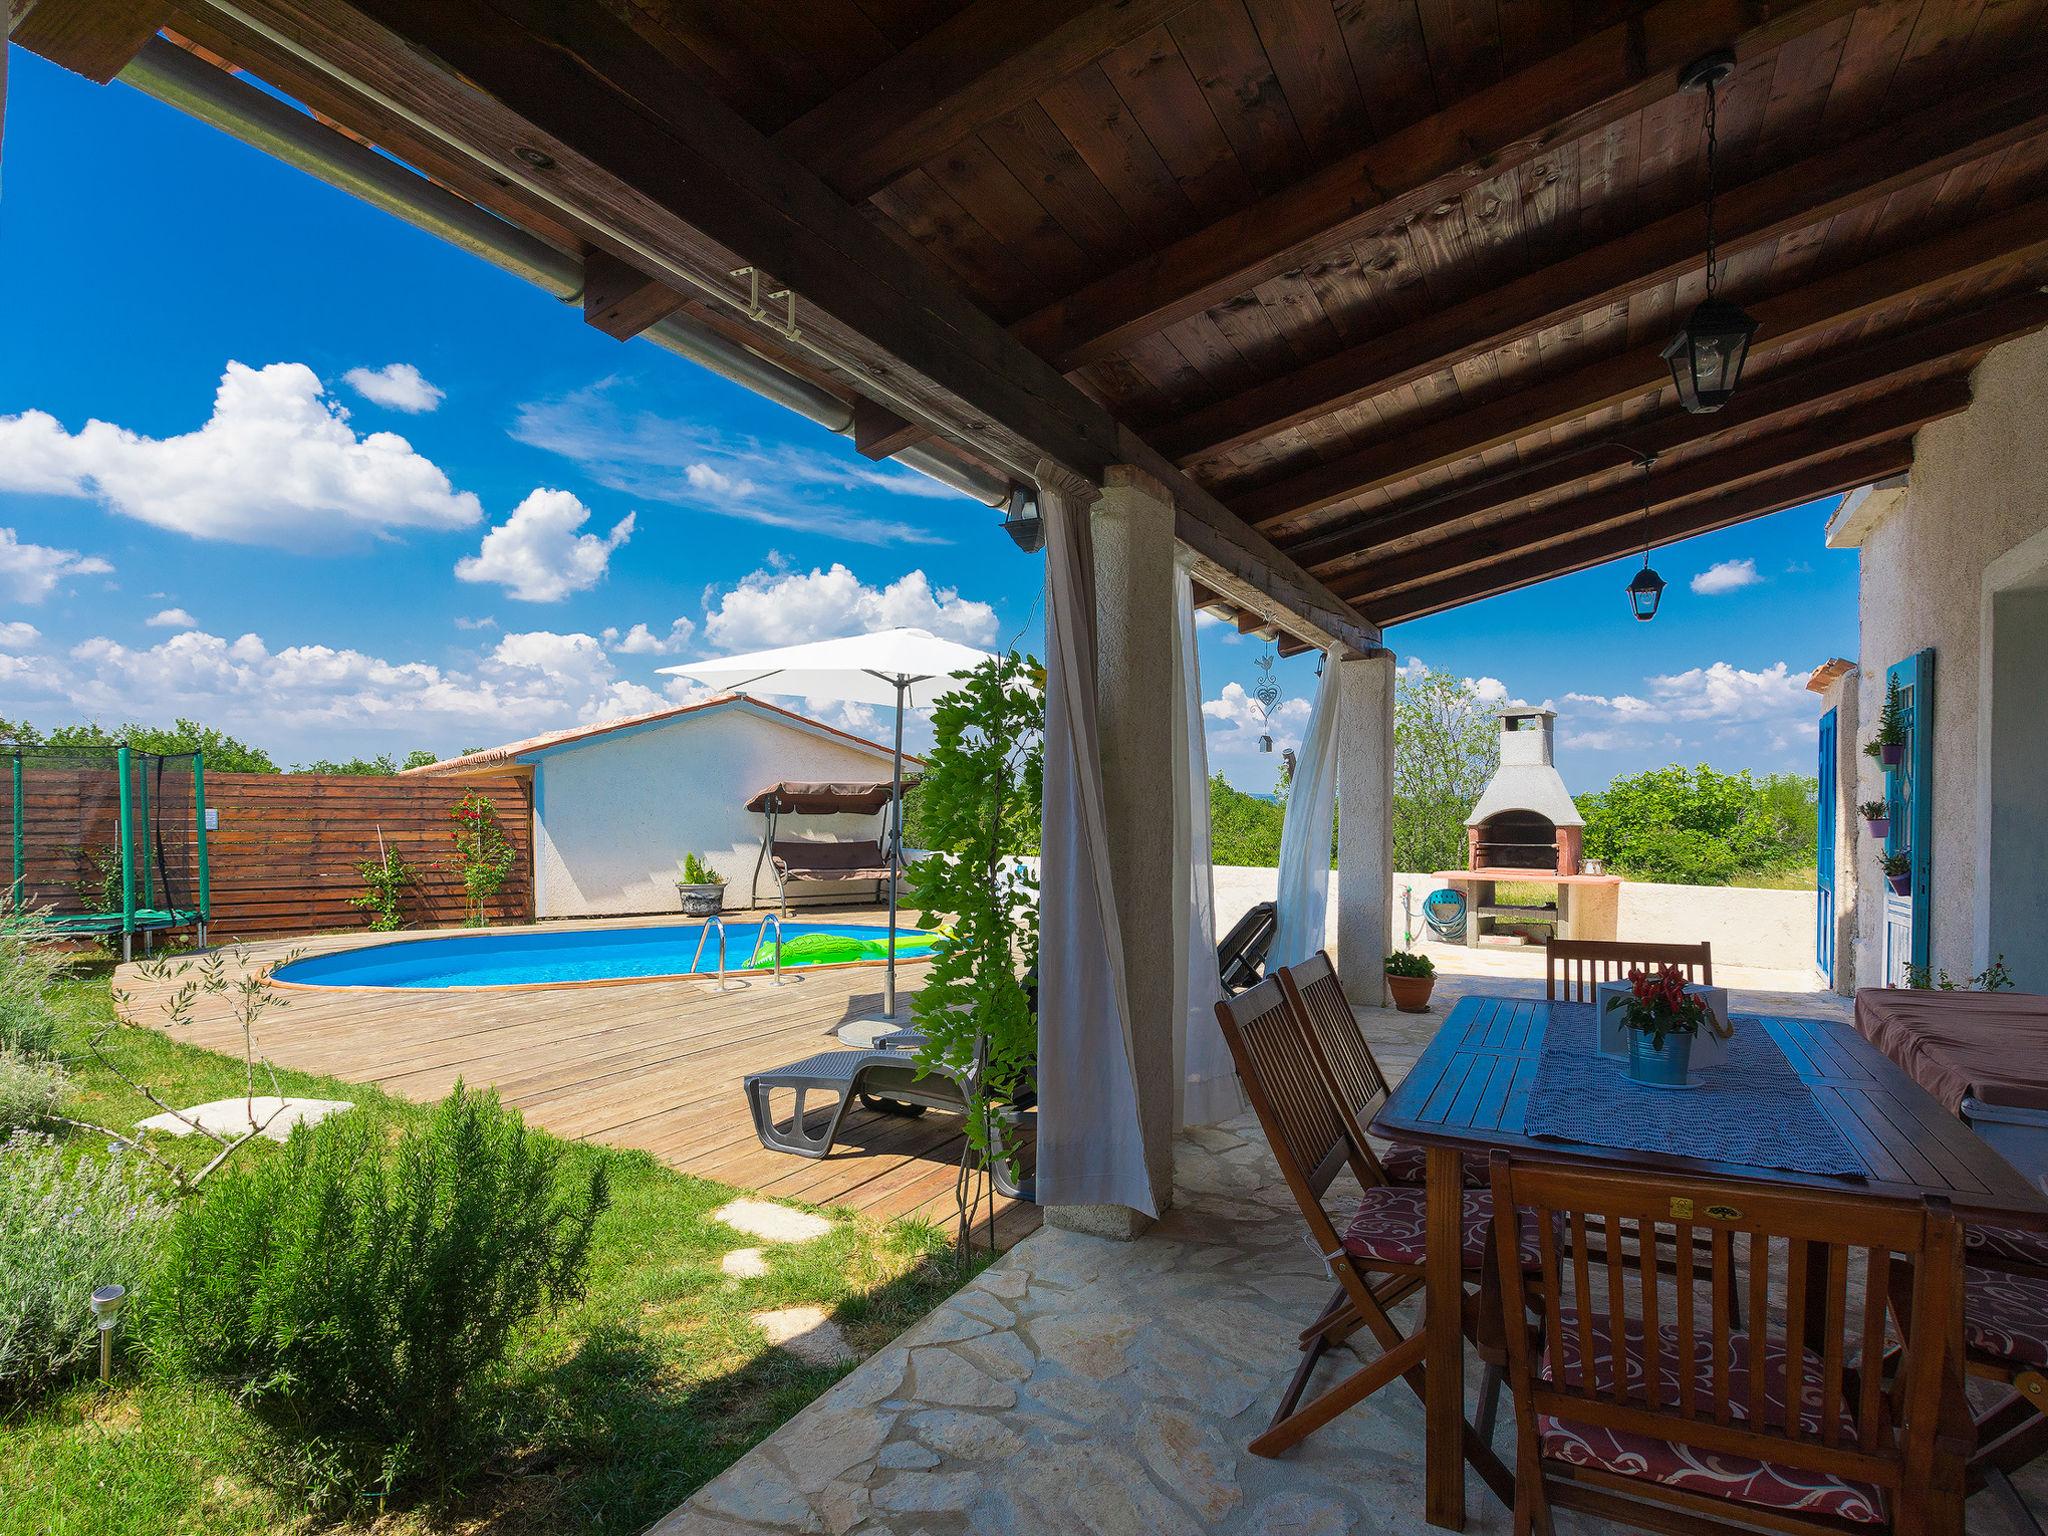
(223, 753)
(420, 757)
(1698, 826)
(1446, 746)
(1243, 829)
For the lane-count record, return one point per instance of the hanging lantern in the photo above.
(1022, 522)
(1646, 591)
(1707, 355)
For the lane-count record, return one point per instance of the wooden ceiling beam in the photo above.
(1951, 343)
(93, 38)
(1853, 175)
(879, 433)
(1901, 413)
(1794, 488)
(983, 62)
(621, 300)
(1984, 249)
(1594, 83)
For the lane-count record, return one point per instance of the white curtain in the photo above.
(1090, 1148)
(1305, 835)
(1209, 1090)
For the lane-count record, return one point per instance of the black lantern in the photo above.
(1646, 591)
(1706, 357)
(1021, 521)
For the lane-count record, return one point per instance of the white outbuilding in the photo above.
(618, 806)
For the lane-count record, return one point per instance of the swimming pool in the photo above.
(539, 958)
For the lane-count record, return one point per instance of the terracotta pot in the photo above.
(1879, 826)
(1411, 993)
(1891, 753)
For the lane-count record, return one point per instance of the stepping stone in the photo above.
(771, 1222)
(807, 1333)
(239, 1116)
(744, 1264)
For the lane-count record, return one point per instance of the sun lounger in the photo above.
(1241, 956)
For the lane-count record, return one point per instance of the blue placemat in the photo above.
(1751, 1109)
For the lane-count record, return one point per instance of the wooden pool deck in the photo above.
(651, 1065)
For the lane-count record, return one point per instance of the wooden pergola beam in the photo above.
(879, 433)
(1806, 483)
(1880, 420)
(1987, 248)
(621, 300)
(1596, 82)
(1847, 177)
(1950, 343)
(983, 62)
(94, 38)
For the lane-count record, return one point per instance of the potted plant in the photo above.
(1877, 815)
(1663, 1019)
(1889, 745)
(1898, 869)
(1411, 978)
(701, 887)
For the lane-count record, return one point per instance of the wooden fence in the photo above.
(284, 852)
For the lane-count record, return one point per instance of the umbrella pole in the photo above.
(895, 853)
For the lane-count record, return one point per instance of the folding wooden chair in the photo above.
(1651, 1408)
(1377, 1259)
(1582, 964)
(1354, 1073)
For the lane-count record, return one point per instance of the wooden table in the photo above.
(1470, 1089)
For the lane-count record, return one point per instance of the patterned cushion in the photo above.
(2006, 1315)
(1405, 1164)
(2012, 1245)
(1743, 1479)
(1388, 1228)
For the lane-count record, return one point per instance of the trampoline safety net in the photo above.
(106, 840)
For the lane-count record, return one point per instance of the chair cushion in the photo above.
(2006, 1315)
(2011, 1245)
(1407, 1164)
(1741, 1479)
(1390, 1222)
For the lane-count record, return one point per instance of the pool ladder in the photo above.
(762, 938)
(712, 923)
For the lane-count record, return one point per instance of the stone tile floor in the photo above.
(1084, 1385)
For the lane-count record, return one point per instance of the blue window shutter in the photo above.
(1910, 790)
(1824, 853)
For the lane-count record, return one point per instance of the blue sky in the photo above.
(353, 491)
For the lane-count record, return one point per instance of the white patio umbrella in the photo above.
(909, 668)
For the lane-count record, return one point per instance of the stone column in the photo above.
(1365, 824)
(1135, 699)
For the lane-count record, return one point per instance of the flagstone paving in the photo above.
(1084, 1385)
(771, 1222)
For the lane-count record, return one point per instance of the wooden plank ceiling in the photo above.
(1387, 279)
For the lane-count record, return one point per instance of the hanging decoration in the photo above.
(1268, 695)
(1706, 357)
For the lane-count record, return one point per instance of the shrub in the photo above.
(386, 879)
(363, 1296)
(30, 1089)
(64, 1232)
(1696, 826)
(29, 963)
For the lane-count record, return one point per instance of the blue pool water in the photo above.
(539, 958)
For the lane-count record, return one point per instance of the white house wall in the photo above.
(1978, 493)
(614, 817)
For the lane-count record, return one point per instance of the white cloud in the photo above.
(277, 463)
(172, 618)
(642, 641)
(1726, 576)
(1722, 692)
(17, 636)
(396, 386)
(1682, 711)
(786, 608)
(658, 458)
(321, 699)
(30, 572)
(537, 555)
(486, 622)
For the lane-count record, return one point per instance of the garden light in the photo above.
(106, 1303)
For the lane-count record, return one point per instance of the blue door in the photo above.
(1824, 861)
(1909, 791)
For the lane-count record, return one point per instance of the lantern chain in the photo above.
(1713, 141)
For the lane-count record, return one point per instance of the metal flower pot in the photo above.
(700, 900)
(1880, 826)
(1891, 753)
(1901, 885)
(1667, 1067)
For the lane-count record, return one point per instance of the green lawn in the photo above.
(612, 1413)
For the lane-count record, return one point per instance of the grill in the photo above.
(1525, 821)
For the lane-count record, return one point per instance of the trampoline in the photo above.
(108, 841)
